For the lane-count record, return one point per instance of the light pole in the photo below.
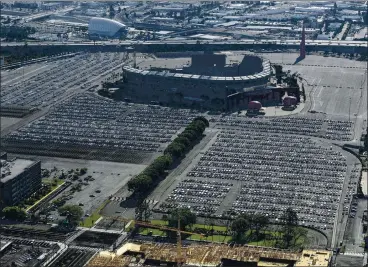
(349, 107)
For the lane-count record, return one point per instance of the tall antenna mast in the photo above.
(179, 258)
(134, 57)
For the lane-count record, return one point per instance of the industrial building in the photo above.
(105, 28)
(19, 179)
(207, 81)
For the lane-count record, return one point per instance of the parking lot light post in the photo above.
(349, 107)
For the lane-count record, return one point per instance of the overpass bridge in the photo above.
(39, 16)
(48, 48)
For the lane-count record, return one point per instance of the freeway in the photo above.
(46, 14)
(189, 41)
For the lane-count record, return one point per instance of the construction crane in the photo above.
(179, 258)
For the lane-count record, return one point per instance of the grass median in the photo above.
(53, 188)
(91, 220)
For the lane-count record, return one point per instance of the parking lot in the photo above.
(108, 178)
(8, 121)
(253, 165)
(340, 130)
(40, 85)
(250, 170)
(90, 122)
(336, 84)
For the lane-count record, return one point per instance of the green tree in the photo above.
(74, 213)
(190, 134)
(175, 149)
(259, 222)
(239, 227)
(300, 238)
(14, 213)
(164, 161)
(183, 140)
(143, 212)
(203, 119)
(62, 175)
(140, 184)
(187, 218)
(289, 223)
(152, 171)
(197, 126)
(111, 12)
(83, 171)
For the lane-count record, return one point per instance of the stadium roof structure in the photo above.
(105, 27)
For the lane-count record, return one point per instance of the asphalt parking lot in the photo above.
(333, 80)
(348, 260)
(128, 133)
(8, 121)
(41, 85)
(109, 178)
(261, 164)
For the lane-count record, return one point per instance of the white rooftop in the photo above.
(11, 169)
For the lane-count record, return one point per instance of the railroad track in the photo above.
(28, 242)
(73, 257)
(33, 234)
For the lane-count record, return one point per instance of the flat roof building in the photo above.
(20, 178)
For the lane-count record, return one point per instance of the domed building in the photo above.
(106, 28)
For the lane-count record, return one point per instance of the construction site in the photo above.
(150, 254)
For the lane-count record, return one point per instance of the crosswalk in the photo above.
(120, 199)
(354, 254)
(117, 199)
(85, 248)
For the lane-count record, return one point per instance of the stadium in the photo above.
(205, 79)
(105, 28)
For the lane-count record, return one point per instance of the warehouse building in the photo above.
(20, 178)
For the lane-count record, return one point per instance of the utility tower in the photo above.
(302, 43)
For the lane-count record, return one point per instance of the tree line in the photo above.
(16, 33)
(244, 229)
(251, 227)
(142, 183)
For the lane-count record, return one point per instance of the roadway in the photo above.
(46, 14)
(189, 41)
